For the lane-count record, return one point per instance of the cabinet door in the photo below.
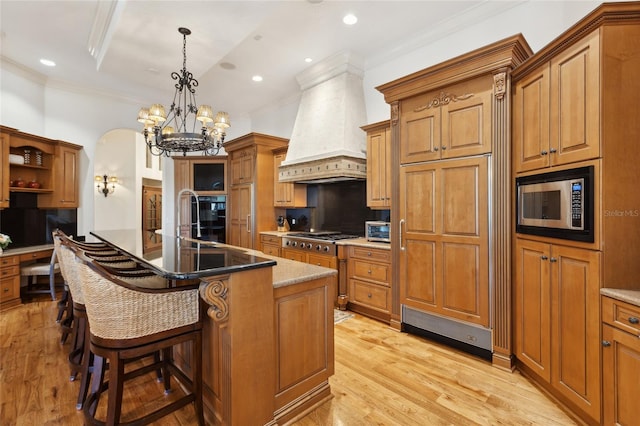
(531, 121)
(287, 194)
(242, 165)
(621, 376)
(444, 239)
(575, 332)
(575, 103)
(466, 120)
(463, 267)
(4, 170)
(241, 216)
(420, 129)
(532, 306)
(418, 236)
(64, 180)
(379, 169)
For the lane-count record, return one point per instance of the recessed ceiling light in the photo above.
(350, 19)
(307, 60)
(256, 78)
(47, 62)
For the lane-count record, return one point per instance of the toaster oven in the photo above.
(377, 231)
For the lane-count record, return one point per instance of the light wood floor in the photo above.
(382, 377)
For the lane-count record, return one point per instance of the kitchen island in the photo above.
(268, 333)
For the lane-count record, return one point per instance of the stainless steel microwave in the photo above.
(556, 204)
(377, 231)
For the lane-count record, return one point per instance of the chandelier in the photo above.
(178, 131)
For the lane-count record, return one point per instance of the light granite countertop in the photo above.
(629, 296)
(23, 250)
(287, 272)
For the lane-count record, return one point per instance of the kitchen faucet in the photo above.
(192, 192)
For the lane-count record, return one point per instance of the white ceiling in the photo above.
(137, 45)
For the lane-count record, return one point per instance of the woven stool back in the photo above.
(118, 310)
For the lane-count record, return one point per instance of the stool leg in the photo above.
(116, 379)
(52, 284)
(90, 404)
(166, 375)
(86, 367)
(196, 359)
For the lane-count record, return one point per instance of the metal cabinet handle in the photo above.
(249, 223)
(400, 234)
(369, 295)
(435, 148)
(544, 153)
(634, 320)
(369, 272)
(543, 257)
(606, 343)
(444, 147)
(553, 150)
(5, 290)
(553, 260)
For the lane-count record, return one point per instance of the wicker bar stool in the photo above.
(129, 322)
(65, 305)
(80, 356)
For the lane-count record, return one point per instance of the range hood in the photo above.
(327, 143)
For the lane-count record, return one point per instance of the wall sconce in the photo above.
(106, 184)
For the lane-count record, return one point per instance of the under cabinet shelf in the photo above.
(32, 190)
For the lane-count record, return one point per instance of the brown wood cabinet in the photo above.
(4, 170)
(9, 281)
(369, 275)
(444, 251)
(576, 104)
(250, 208)
(447, 123)
(450, 127)
(378, 165)
(556, 318)
(271, 245)
(52, 166)
(554, 108)
(311, 258)
(620, 362)
(286, 194)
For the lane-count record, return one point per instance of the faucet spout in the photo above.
(195, 195)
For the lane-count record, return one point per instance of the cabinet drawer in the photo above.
(271, 249)
(43, 254)
(293, 255)
(371, 295)
(622, 315)
(319, 260)
(270, 239)
(9, 271)
(378, 255)
(369, 270)
(9, 260)
(9, 288)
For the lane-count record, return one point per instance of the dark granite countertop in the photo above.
(185, 258)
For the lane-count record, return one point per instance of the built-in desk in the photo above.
(10, 261)
(268, 347)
